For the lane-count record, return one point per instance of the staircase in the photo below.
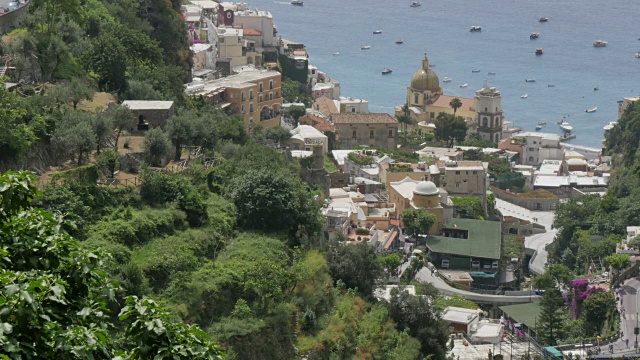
(3, 69)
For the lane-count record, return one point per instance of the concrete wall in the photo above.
(11, 20)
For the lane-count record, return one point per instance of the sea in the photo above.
(440, 28)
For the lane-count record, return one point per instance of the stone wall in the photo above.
(11, 20)
(536, 204)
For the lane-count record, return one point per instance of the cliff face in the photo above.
(11, 20)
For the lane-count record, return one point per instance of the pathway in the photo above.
(630, 302)
(537, 242)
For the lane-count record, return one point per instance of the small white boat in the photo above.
(365, 47)
(464, 85)
(538, 127)
(534, 35)
(377, 32)
(610, 125)
(600, 43)
(415, 4)
(475, 70)
(446, 79)
(530, 80)
(543, 19)
(590, 110)
(492, 72)
(638, 54)
(475, 28)
(566, 127)
(524, 96)
(386, 71)
(399, 41)
(542, 123)
(297, 2)
(551, 85)
(336, 53)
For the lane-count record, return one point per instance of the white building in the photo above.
(534, 147)
(304, 137)
(258, 20)
(353, 105)
(329, 89)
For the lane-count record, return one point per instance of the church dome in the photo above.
(426, 188)
(425, 79)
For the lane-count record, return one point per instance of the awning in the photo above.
(224, 105)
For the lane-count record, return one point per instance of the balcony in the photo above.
(269, 115)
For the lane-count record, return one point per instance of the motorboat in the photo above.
(600, 43)
(432, 65)
(415, 4)
(566, 127)
(377, 32)
(336, 53)
(551, 85)
(543, 19)
(476, 28)
(638, 54)
(538, 127)
(297, 2)
(534, 35)
(464, 85)
(542, 123)
(567, 136)
(399, 41)
(475, 70)
(492, 72)
(530, 80)
(596, 88)
(610, 125)
(365, 47)
(590, 110)
(539, 51)
(386, 71)
(446, 79)
(524, 96)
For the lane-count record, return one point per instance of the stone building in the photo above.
(412, 194)
(150, 114)
(373, 129)
(490, 116)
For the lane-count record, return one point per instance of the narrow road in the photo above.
(629, 294)
(425, 275)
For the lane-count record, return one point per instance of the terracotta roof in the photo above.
(317, 122)
(252, 32)
(444, 100)
(325, 106)
(370, 118)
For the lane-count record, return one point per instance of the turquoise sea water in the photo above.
(441, 29)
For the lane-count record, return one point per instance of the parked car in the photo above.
(444, 264)
(495, 265)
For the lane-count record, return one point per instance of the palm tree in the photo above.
(455, 104)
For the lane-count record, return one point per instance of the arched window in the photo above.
(270, 96)
(531, 158)
(416, 98)
(270, 84)
(485, 109)
(260, 87)
(485, 121)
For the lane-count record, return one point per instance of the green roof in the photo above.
(484, 240)
(523, 313)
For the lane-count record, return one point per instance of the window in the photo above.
(485, 109)
(485, 121)
(243, 98)
(270, 84)
(353, 110)
(530, 149)
(457, 172)
(534, 142)
(270, 96)
(353, 134)
(457, 185)
(260, 85)
(530, 158)
(496, 109)
(251, 95)
(260, 98)
(221, 40)
(243, 109)
(416, 98)
(250, 107)
(475, 173)
(390, 133)
(371, 134)
(432, 115)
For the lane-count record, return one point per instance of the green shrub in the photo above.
(362, 231)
